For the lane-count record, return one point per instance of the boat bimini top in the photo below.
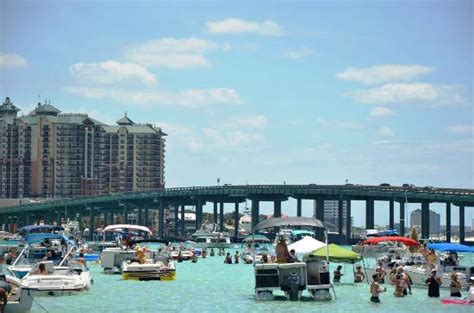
(117, 227)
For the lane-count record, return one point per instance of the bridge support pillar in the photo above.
(112, 217)
(236, 221)
(391, 215)
(462, 224)
(402, 218)
(140, 216)
(448, 222)
(298, 207)
(348, 220)
(320, 216)
(215, 213)
(198, 214)
(176, 220)
(369, 214)
(221, 216)
(255, 212)
(425, 220)
(58, 218)
(161, 218)
(277, 208)
(91, 224)
(340, 211)
(147, 216)
(183, 210)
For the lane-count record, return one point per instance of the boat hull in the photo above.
(150, 275)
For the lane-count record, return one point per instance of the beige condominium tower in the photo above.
(51, 154)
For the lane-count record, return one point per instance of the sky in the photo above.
(322, 92)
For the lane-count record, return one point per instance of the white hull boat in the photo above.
(59, 280)
(151, 270)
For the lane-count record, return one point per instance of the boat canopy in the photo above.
(34, 238)
(257, 237)
(39, 228)
(451, 247)
(406, 241)
(336, 254)
(287, 222)
(382, 233)
(306, 245)
(127, 226)
(134, 242)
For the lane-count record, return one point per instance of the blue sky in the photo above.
(301, 92)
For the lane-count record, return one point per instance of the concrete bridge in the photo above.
(142, 202)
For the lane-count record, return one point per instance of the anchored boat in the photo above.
(149, 264)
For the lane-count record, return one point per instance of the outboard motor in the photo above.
(324, 277)
(293, 281)
(4, 284)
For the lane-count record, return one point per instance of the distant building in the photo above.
(435, 221)
(50, 154)
(331, 214)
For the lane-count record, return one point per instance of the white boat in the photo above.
(59, 280)
(150, 270)
(113, 257)
(206, 238)
(292, 278)
(20, 298)
(37, 246)
(255, 247)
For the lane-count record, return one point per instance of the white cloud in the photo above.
(191, 98)
(173, 53)
(461, 129)
(335, 124)
(297, 53)
(385, 73)
(11, 60)
(385, 132)
(111, 72)
(230, 139)
(437, 95)
(238, 26)
(379, 112)
(250, 121)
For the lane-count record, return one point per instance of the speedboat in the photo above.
(19, 297)
(59, 280)
(38, 246)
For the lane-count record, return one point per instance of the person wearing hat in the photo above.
(455, 286)
(470, 296)
(433, 283)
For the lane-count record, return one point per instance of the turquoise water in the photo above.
(212, 286)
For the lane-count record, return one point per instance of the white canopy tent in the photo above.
(306, 245)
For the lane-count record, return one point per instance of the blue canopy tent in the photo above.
(25, 230)
(451, 247)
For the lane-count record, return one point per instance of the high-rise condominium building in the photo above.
(50, 154)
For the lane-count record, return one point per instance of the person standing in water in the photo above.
(455, 286)
(236, 257)
(375, 289)
(359, 275)
(433, 285)
(338, 274)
